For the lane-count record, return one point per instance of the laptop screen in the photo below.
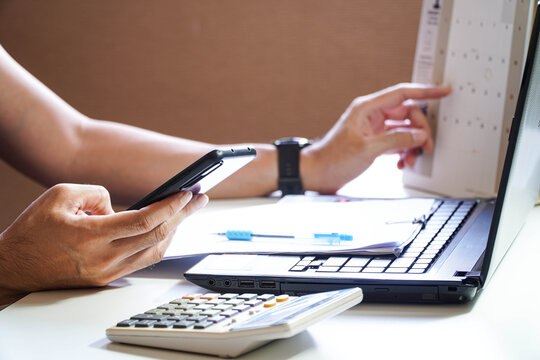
(520, 180)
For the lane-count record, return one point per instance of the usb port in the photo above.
(267, 284)
(246, 283)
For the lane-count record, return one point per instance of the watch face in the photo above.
(300, 141)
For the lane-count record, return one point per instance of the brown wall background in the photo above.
(222, 71)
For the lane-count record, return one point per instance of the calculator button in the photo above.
(211, 312)
(177, 318)
(197, 301)
(216, 301)
(216, 319)
(228, 296)
(164, 324)
(204, 307)
(270, 303)
(229, 313)
(155, 311)
(149, 317)
(191, 312)
(210, 296)
(145, 323)
(266, 297)
(203, 325)
(234, 302)
(223, 307)
(180, 301)
(173, 313)
(183, 324)
(192, 296)
(247, 296)
(253, 303)
(167, 306)
(282, 298)
(242, 308)
(197, 318)
(126, 323)
(185, 306)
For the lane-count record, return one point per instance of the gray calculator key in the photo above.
(229, 313)
(126, 323)
(183, 324)
(149, 317)
(197, 318)
(177, 317)
(145, 323)
(164, 324)
(216, 319)
(203, 325)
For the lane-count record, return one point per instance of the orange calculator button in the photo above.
(282, 298)
(191, 296)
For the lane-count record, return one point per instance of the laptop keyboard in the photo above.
(418, 256)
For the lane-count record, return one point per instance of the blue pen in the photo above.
(316, 238)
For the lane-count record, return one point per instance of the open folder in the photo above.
(371, 226)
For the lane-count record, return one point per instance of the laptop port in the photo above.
(267, 284)
(227, 283)
(246, 283)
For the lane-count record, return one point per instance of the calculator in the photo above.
(228, 325)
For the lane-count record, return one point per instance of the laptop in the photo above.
(449, 261)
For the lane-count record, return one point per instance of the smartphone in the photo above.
(202, 175)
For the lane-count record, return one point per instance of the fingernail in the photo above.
(186, 196)
(202, 200)
(419, 137)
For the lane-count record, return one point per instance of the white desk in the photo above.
(503, 322)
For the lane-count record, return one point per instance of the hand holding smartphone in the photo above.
(202, 175)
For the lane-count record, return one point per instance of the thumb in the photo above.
(399, 139)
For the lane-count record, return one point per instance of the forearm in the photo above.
(44, 137)
(131, 162)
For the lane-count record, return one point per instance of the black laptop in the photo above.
(450, 260)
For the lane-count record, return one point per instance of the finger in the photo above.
(135, 222)
(83, 199)
(129, 246)
(394, 96)
(398, 139)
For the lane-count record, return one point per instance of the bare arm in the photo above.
(45, 138)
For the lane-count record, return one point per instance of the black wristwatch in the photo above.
(289, 164)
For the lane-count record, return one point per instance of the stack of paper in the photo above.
(376, 226)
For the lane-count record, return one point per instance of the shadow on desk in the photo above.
(168, 269)
(280, 349)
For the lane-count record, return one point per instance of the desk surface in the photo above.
(502, 323)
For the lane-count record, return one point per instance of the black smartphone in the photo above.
(202, 175)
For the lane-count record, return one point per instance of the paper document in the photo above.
(376, 227)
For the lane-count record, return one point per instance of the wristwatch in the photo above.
(289, 164)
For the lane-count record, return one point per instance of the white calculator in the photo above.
(229, 325)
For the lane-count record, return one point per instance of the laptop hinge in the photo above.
(472, 278)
